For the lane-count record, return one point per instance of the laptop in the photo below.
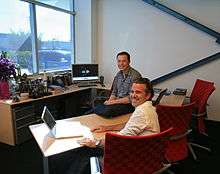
(61, 129)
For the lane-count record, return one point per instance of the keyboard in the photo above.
(86, 85)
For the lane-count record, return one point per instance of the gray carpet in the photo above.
(27, 158)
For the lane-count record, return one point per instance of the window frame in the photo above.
(33, 25)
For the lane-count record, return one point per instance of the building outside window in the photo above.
(15, 33)
(54, 48)
(51, 40)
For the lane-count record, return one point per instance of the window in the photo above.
(15, 33)
(64, 4)
(54, 48)
(38, 37)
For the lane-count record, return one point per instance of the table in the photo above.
(50, 146)
(173, 100)
(15, 117)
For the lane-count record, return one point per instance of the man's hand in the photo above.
(87, 142)
(114, 100)
(110, 102)
(100, 128)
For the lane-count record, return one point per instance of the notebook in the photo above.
(61, 129)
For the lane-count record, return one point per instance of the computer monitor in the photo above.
(85, 72)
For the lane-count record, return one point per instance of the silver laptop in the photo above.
(61, 129)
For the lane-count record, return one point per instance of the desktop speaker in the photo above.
(101, 79)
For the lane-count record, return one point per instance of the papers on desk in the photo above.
(68, 129)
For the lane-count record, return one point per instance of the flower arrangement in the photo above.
(7, 68)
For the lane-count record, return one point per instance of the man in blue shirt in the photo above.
(119, 101)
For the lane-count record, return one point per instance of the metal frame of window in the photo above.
(72, 29)
(50, 6)
(33, 24)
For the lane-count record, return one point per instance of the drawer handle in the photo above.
(26, 125)
(29, 115)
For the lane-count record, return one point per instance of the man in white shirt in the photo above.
(143, 121)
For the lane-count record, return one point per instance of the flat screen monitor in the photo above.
(82, 72)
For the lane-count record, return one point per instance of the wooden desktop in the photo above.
(17, 116)
(51, 146)
(44, 140)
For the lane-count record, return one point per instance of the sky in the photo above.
(52, 25)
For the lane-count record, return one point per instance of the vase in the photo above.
(4, 90)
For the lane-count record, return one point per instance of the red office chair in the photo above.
(135, 154)
(178, 117)
(200, 94)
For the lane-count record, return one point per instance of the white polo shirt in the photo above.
(143, 121)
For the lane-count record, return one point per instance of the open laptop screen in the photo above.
(48, 118)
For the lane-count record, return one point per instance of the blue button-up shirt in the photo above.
(122, 82)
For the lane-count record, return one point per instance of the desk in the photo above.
(173, 100)
(16, 117)
(40, 132)
(71, 89)
(50, 146)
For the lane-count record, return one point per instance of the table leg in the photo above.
(45, 165)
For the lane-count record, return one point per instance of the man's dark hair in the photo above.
(148, 85)
(124, 53)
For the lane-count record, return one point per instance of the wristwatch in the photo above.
(98, 142)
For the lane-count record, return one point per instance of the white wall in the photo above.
(158, 44)
(207, 72)
(83, 31)
(205, 12)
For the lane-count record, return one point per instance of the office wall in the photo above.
(205, 12)
(158, 44)
(83, 31)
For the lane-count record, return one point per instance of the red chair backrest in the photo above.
(200, 94)
(178, 117)
(134, 154)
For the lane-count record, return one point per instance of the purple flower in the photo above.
(7, 68)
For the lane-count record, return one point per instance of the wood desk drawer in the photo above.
(23, 111)
(23, 133)
(26, 120)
